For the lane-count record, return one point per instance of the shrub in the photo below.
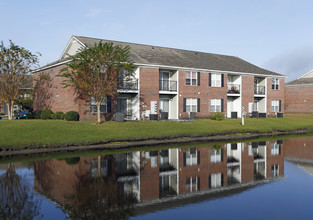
(33, 114)
(71, 116)
(58, 115)
(46, 114)
(72, 160)
(217, 116)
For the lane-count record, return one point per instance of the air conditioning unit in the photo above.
(234, 115)
(279, 115)
(192, 115)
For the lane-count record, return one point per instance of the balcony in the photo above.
(168, 85)
(233, 88)
(259, 90)
(128, 84)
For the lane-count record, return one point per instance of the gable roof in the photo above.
(169, 57)
(300, 82)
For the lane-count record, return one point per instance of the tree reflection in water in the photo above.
(16, 198)
(98, 198)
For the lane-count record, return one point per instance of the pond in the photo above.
(268, 179)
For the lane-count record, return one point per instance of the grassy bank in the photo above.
(19, 134)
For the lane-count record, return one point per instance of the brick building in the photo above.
(170, 83)
(298, 95)
(166, 177)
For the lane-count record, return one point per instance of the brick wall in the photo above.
(299, 100)
(149, 87)
(275, 95)
(204, 92)
(247, 95)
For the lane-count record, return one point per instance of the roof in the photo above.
(163, 56)
(300, 82)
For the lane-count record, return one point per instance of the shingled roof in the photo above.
(163, 56)
(300, 82)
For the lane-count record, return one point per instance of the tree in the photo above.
(94, 72)
(15, 63)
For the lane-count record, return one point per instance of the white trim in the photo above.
(299, 85)
(68, 46)
(50, 66)
(305, 74)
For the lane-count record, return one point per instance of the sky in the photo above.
(272, 34)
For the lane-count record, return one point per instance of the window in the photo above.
(216, 155)
(103, 171)
(216, 80)
(275, 170)
(193, 184)
(93, 106)
(216, 105)
(191, 157)
(191, 105)
(215, 180)
(191, 78)
(275, 83)
(275, 149)
(275, 105)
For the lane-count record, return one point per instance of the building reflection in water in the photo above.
(150, 178)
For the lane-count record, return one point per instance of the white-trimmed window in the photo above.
(191, 105)
(275, 170)
(275, 105)
(275, 149)
(103, 106)
(275, 83)
(216, 180)
(191, 157)
(191, 78)
(216, 80)
(216, 105)
(216, 155)
(192, 184)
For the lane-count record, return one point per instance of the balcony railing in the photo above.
(168, 85)
(233, 88)
(259, 90)
(128, 84)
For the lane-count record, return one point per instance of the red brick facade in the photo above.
(299, 99)
(51, 94)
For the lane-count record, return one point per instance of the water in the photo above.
(253, 180)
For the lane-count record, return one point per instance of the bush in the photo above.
(58, 115)
(217, 116)
(71, 116)
(33, 114)
(46, 114)
(72, 160)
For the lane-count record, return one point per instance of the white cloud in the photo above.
(93, 12)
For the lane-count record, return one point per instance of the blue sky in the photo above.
(273, 34)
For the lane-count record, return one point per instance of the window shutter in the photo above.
(198, 78)
(210, 181)
(279, 149)
(210, 79)
(222, 80)
(198, 105)
(109, 104)
(198, 157)
(222, 180)
(198, 185)
(184, 158)
(222, 155)
(184, 105)
(222, 105)
(280, 105)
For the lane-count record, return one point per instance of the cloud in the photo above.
(293, 63)
(93, 12)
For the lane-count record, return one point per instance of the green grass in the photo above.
(19, 134)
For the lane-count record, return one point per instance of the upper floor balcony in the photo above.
(259, 90)
(168, 85)
(128, 84)
(233, 89)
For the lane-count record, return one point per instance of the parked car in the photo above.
(20, 115)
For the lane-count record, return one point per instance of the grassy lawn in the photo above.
(39, 133)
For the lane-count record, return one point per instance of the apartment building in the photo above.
(298, 95)
(162, 178)
(171, 84)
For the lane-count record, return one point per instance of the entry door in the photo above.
(164, 107)
(122, 106)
